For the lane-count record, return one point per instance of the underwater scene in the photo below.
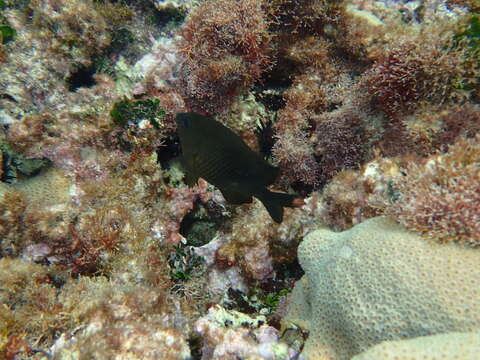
(240, 179)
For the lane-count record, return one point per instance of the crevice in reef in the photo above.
(198, 228)
(195, 343)
(81, 78)
(272, 99)
(280, 76)
(301, 188)
(265, 138)
(169, 150)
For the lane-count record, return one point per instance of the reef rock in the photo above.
(234, 335)
(378, 282)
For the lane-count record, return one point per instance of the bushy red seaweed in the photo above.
(226, 46)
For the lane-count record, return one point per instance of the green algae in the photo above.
(126, 111)
(271, 301)
(185, 264)
(168, 18)
(7, 33)
(472, 33)
(469, 35)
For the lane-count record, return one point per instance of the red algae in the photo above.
(226, 46)
(440, 196)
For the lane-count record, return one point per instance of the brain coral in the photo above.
(379, 282)
(451, 346)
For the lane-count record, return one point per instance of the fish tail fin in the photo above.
(275, 202)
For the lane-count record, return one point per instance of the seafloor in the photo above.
(368, 108)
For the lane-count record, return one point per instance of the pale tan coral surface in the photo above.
(378, 282)
(450, 346)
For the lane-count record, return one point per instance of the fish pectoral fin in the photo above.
(236, 198)
(191, 177)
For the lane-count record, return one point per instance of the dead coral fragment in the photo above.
(63, 132)
(321, 130)
(12, 207)
(293, 151)
(308, 16)
(441, 198)
(354, 196)
(295, 156)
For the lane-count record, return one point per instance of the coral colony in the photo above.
(363, 115)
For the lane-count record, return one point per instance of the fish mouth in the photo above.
(183, 120)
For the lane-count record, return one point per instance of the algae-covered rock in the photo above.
(234, 335)
(379, 282)
(14, 165)
(119, 321)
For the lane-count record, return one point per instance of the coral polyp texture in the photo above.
(379, 282)
(455, 345)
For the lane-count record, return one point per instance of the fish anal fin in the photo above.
(191, 177)
(275, 202)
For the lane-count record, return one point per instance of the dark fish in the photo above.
(215, 153)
